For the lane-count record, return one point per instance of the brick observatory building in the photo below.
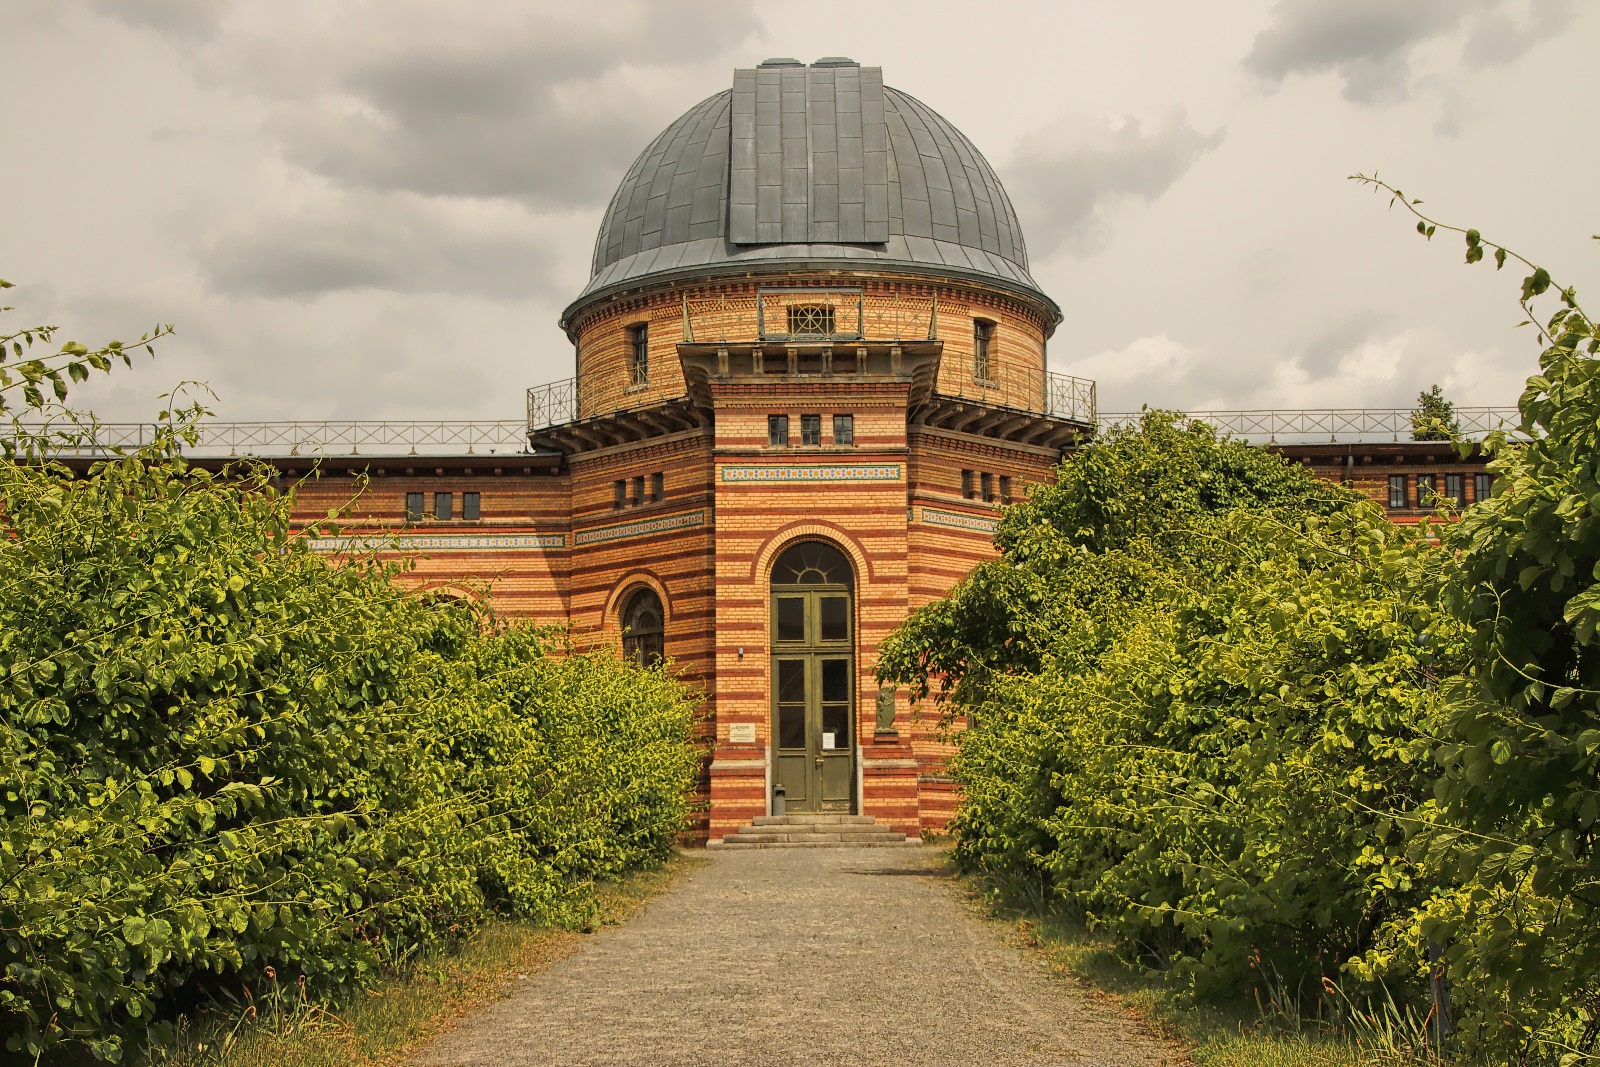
(810, 361)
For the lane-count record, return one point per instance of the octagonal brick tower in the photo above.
(810, 363)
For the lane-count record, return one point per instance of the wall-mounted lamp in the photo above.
(741, 653)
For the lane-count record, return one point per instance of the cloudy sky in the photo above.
(364, 209)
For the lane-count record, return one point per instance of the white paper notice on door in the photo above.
(827, 739)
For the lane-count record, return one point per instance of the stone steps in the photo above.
(814, 831)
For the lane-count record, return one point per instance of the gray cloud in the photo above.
(397, 242)
(1065, 176)
(531, 107)
(1499, 38)
(182, 20)
(1371, 44)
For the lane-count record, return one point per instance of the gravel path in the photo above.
(794, 957)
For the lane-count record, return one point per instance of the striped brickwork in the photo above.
(767, 498)
(726, 311)
(489, 555)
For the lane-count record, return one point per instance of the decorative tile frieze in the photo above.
(815, 472)
(600, 534)
(977, 523)
(436, 542)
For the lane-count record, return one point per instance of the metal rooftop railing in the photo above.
(556, 403)
(328, 438)
(1332, 425)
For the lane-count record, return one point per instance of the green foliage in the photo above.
(1073, 552)
(1262, 736)
(222, 752)
(1231, 648)
(1434, 418)
(1519, 789)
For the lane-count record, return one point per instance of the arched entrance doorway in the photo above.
(813, 678)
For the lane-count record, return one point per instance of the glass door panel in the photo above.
(794, 767)
(837, 760)
(833, 618)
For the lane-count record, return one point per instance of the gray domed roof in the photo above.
(819, 166)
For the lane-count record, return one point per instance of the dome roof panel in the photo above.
(910, 175)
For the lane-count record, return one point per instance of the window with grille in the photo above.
(470, 505)
(1397, 491)
(1427, 490)
(844, 429)
(982, 342)
(658, 483)
(969, 484)
(639, 357)
(811, 429)
(987, 481)
(1482, 486)
(619, 494)
(1455, 489)
(413, 507)
(638, 490)
(1005, 489)
(777, 429)
(441, 505)
(811, 320)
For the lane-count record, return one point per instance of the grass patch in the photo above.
(404, 1011)
(1246, 1035)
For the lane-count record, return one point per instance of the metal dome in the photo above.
(813, 167)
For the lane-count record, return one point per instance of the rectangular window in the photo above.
(982, 339)
(969, 485)
(658, 487)
(638, 490)
(844, 429)
(413, 507)
(1397, 491)
(1427, 489)
(639, 358)
(1482, 486)
(619, 494)
(469, 505)
(777, 429)
(988, 486)
(1005, 489)
(811, 429)
(1455, 489)
(441, 505)
(811, 320)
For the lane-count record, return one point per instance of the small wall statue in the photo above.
(886, 710)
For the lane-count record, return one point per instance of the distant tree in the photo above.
(1434, 418)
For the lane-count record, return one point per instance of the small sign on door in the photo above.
(828, 739)
(741, 733)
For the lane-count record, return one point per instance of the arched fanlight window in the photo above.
(812, 563)
(642, 628)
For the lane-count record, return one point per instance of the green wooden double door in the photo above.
(813, 679)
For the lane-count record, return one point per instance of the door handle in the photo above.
(819, 761)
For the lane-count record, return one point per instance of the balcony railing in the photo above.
(329, 438)
(810, 315)
(553, 404)
(1333, 425)
(1021, 387)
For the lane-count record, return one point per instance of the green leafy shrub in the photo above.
(221, 752)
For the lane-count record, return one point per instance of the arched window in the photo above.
(812, 563)
(642, 628)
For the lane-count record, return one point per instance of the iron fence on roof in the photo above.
(1332, 425)
(552, 404)
(326, 438)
